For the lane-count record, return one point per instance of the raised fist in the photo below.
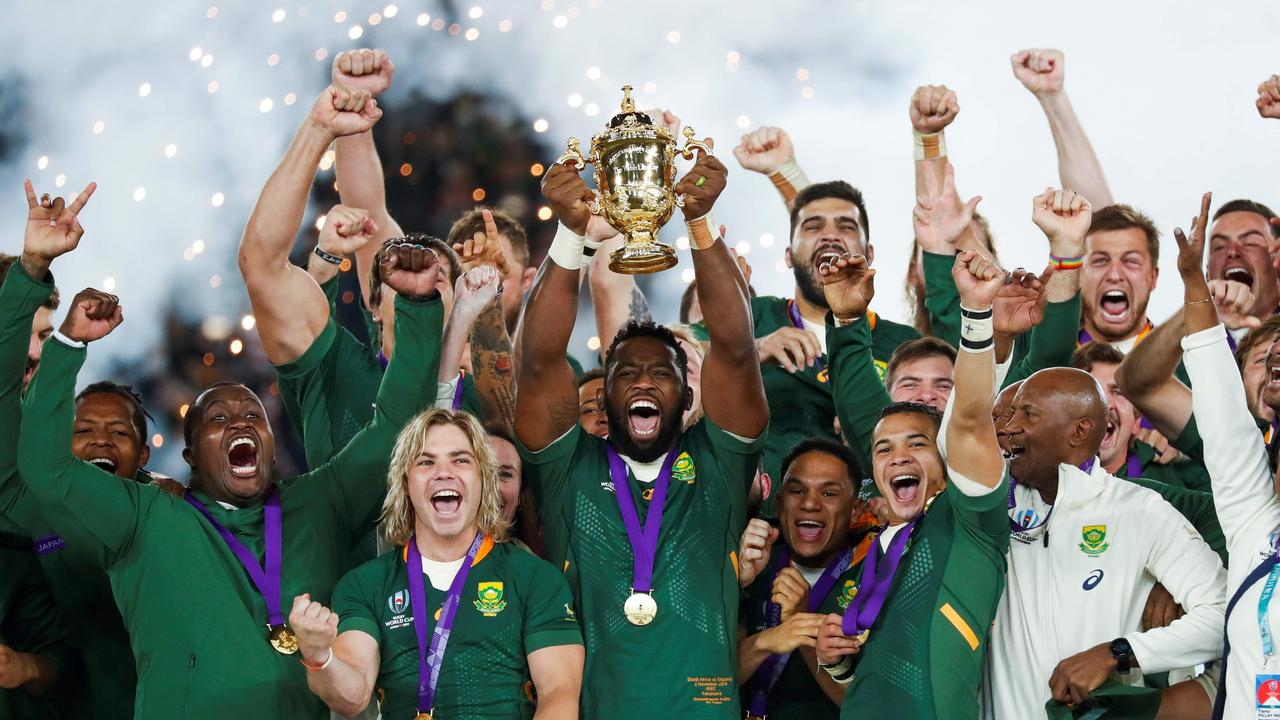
(474, 291)
(702, 185)
(977, 279)
(410, 270)
(568, 196)
(342, 110)
(790, 592)
(346, 230)
(1064, 217)
(932, 109)
(363, 69)
(483, 247)
(1019, 303)
(53, 227)
(92, 316)
(754, 549)
(764, 150)
(1039, 70)
(938, 218)
(1269, 97)
(848, 282)
(316, 627)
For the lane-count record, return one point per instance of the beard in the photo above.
(810, 288)
(620, 437)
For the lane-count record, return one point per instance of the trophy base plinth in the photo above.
(640, 259)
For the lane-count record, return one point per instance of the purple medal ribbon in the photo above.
(793, 312)
(644, 543)
(457, 394)
(382, 360)
(1133, 465)
(431, 659)
(873, 587)
(766, 676)
(268, 581)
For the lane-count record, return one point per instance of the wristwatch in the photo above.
(1123, 653)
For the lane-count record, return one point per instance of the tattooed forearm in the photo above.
(639, 308)
(491, 361)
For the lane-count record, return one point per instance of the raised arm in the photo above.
(941, 222)
(848, 284)
(768, 151)
(492, 364)
(346, 231)
(732, 390)
(971, 436)
(1042, 72)
(1146, 377)
(615, 297)
(97, 508)
(290, 307)
(358, 170)
(547, 393)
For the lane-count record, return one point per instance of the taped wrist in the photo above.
(977, 333)
(703, 232)
(790, 174)
(567, 248)
(930, 146)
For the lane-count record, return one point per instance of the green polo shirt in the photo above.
(31, 622)
(514, 603)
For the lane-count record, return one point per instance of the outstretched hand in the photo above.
(92, 316)
(939, 219)
(53, 228)
(1191, 251)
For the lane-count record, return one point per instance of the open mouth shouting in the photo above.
(104, 463)
(905, 488)
(1115, 306)
(810, 531)
(1240, 273)
(826, 252)
(446, 502)
(643, 419)
(1014, 452)
(1111, 436)
(242, 456)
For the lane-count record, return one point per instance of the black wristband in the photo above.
(976, 314)
(328, 257)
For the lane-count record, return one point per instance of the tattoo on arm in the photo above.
(639, 308)
(491, 359)
(564, 412)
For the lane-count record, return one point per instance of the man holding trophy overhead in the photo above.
(645, 524)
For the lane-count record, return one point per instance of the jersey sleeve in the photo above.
(982, 511)
(20, 298)
(856, 389)
(549, 470)
(1051, 343)
(83, 503)
(33, 623)
(353, 601)
(738, 457)
(941, 298)
(549, 617)
(1234, 453)
(356, 478)
(1192, 573)
(1196, 507)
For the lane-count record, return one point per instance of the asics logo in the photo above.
(1093, 580)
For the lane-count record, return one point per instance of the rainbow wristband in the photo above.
(1067, 263)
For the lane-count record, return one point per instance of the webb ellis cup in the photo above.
(635, 171)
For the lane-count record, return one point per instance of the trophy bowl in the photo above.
(634, 163)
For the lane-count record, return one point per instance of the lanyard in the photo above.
(266, 580)
(873, 587)
(1264, 603)
(644, 542)
(766, 676)
(431, 658)
(457, 393)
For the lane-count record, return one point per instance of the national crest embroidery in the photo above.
(489, 598)
(1095, 540)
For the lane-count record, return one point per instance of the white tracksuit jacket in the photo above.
(1078, 591)
(1245, 497)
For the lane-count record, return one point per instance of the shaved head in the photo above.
(1058, 416)
(1074, 393)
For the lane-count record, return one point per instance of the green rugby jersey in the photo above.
(30, 622)
(513, 604)
(796, 695)
(196, 622)
(682, 665)
(800, 404)
(926, 651)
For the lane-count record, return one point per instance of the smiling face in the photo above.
(1240, 250)
(445, 485)
(926, 380)
(645, 398)
(509, 478)
(105, 435)
(826, 228)
(1116, 283)
(1001, 411)
(230, 447)
(1255, 375)
(815, 506)
(1059, 416)
(1122, 418)
(906, 465)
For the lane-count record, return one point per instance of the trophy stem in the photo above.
(641, 253)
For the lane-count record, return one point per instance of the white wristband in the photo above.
(794, 175)
(977, 330)
(709, 221)
(930, 146)
(589, 249)
(66, 340)
(566, 248)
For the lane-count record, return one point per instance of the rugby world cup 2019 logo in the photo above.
(1094, 540)
(489, 598)
(398, 602)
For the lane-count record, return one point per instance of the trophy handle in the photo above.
(573, 154)
(691, 146)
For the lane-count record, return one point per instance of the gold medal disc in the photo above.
(640, 608)
(283, 640)
(862, 636)
(422, 716)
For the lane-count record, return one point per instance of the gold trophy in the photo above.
(635, 170)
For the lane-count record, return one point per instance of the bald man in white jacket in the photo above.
(1086, 550)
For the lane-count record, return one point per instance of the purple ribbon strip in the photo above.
(457, 394)
(873, 587)
(430, 659)
(644, 543)
(1133, 465)
(766, 676)
(793, 311)
(268, 581)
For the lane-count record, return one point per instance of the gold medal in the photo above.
(422, 716)
(283, 640)
(862, 636)
(640, 608)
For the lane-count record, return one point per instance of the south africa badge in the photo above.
(1095, 540)
(489, 598)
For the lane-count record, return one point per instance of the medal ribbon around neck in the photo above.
(431, 657)
(267, 581)
(766, 676)
(793, 312)
(644, 543)
(873, 587)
